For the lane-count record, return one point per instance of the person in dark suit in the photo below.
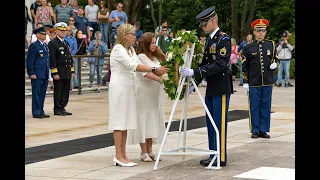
(215, 67)
(62, 70)
(258, 63)
(38, 71)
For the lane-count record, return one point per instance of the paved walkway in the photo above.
(247, 158)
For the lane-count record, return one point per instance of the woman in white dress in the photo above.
(151, 116)
(123, 89)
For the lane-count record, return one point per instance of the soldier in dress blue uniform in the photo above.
(62, 70)
(215, 68)
(258, 63)
(38, 71)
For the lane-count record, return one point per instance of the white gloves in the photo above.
(186, 72)
(246, 86)
(273, 66)
(191, 88)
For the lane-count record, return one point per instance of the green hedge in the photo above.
(292, 70)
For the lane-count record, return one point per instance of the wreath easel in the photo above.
(174, 60)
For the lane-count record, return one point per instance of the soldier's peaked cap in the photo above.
(260, 23)
(40, 30)
(61, 26)
(206, 14)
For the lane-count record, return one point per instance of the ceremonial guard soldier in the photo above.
(38, 72)
(258, 64)
(215, 68)
(62, 70)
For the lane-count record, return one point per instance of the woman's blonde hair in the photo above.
(122, 31)
(234, 40)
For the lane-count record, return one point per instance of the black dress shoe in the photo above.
(255, 135)
(264, 135)
(38, 116)
(59, 113)
(240, 84)
(45, 116)
(206, 162)
(67, 113)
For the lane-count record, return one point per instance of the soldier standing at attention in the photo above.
(38, 71)
(61, 64)
(215, 68)
(258, 64)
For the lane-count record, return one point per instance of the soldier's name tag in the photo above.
(62, 52)
(61, 48)
(268, 52)
(253, 53)
(40, 51)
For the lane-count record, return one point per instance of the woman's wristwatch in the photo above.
(154, 69)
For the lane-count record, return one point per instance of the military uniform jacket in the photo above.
(215, 65)
(38, 60)
(256, 61)
(61, 61)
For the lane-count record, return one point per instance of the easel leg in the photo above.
(215, 128)
(169, 122)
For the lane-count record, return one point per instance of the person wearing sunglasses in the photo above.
(258, 63)
(118, 17)
(215, 68)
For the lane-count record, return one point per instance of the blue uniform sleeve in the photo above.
(223, 50)
(31, 57)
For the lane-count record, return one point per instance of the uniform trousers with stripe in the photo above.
(218, 108)
(260, 108)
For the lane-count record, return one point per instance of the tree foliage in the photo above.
(181, 14)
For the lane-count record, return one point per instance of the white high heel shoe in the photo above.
(116, 162)
(133, 163)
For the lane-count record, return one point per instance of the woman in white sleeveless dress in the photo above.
(151, 116)
(123, 89)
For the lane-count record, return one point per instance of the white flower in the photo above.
(176, 39)
(165, 77)
(188, 32)
(168, 59)
(170, 54)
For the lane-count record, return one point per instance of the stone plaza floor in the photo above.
(80, 147)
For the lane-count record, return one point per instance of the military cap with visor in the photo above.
(205, 16)
(40, 30)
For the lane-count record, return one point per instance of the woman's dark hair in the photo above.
(144, 46)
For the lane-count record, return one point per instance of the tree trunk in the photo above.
(160, 12)
(109, 5)
(234, 20)
(133, 9)
(243, 28)
(251, 13)
(152, 15)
